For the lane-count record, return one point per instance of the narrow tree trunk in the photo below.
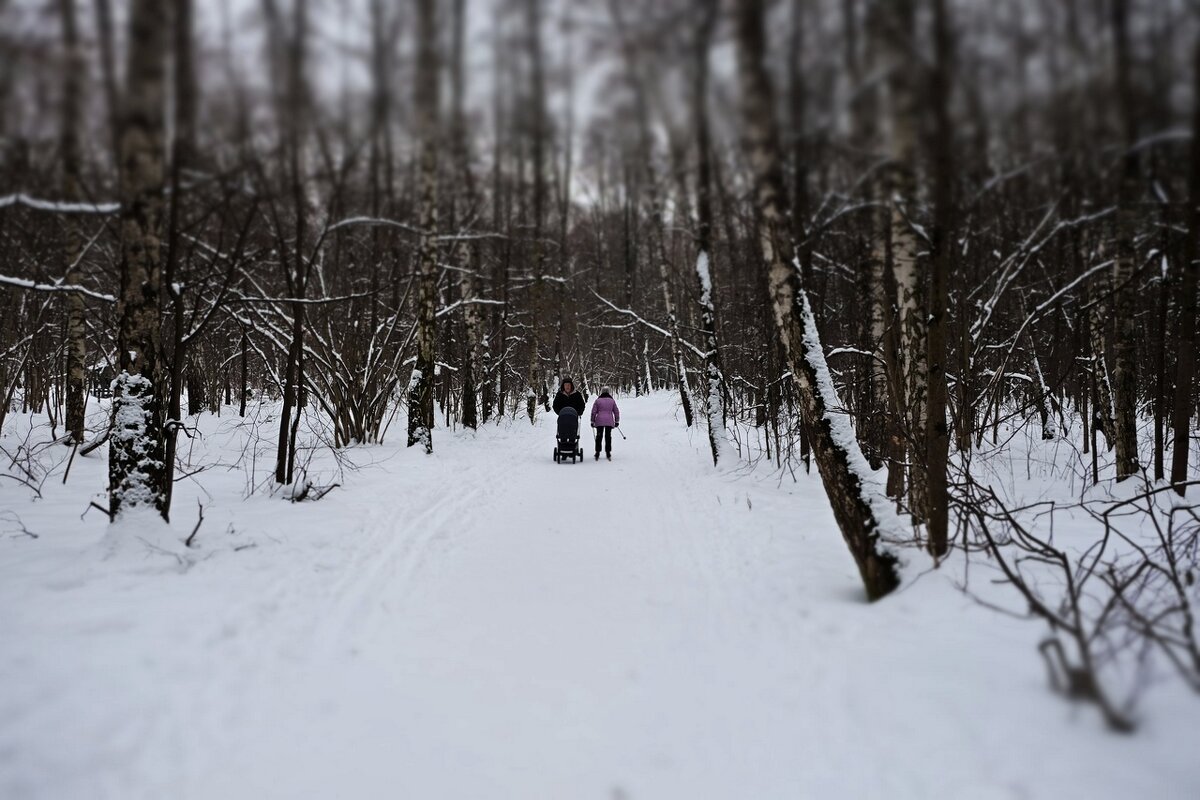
(136, 455)
(1160, 366)
(1124, 375)
(1185, 364)
(1043, 394)
(843, 469)
(911, 386)
(76, 342)
(538, 136)
(108, 73)
(886, 378)
(420, 403)
(243, 377)
(714, 394)
(466, 198)
(1102, 400)
(296, 266)
(182, 151)
(937, 432)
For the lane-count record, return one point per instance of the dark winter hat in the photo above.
(567, 380)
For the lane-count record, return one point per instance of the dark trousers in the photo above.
(604, 433)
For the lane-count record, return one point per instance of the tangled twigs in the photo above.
(1112, 602)
(1076, 675)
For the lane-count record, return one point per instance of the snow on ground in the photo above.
(485, 623)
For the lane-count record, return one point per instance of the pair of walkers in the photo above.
(605, 414)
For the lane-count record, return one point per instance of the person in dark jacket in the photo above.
(567, 396)
(605, 417)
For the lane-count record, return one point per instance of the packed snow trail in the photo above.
(485, 623)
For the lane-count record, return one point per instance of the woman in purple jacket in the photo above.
(605, 417)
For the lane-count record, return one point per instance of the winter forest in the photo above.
(897, 300)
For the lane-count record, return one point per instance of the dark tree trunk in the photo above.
(1185, 369)
(136, 464)
(420, 402)
(76, 342)
(1124, 375)
(936, 430)
(714, 389)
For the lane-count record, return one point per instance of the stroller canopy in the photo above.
(568, 422)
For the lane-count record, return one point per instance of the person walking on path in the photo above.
(567, 396)
(605, 417)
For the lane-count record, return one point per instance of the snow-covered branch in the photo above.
(57, 286)
(643, 321)
(475, 301)
(56, 207)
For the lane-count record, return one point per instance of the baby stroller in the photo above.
(568, 437)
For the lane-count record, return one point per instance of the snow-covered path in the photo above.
(484, 623)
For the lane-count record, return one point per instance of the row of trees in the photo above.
(900, 223)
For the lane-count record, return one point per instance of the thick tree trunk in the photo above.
(420, 402)
(137, 453)
(857, 505)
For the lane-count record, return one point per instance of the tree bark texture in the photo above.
(420, 402)
(1185, 365)
(1124, 375)
(136, 457)
(76, 328)
(856, 515)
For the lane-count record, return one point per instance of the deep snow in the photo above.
(485, 623)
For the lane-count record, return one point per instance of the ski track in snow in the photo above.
(485, 623)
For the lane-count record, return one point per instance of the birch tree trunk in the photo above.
(76, 342)
(136, 456)
(858, 509)
(420, 403)
(910, 319)
(881, 415)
